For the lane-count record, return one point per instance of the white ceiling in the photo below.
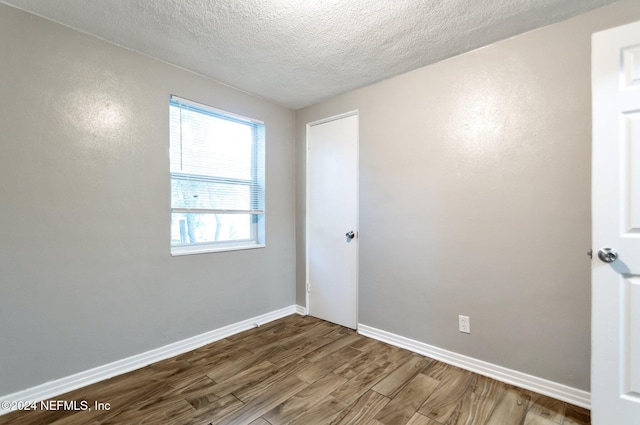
(298, 52)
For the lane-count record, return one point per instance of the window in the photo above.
(217, 179)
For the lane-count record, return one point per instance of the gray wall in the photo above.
(475, 199)
(85, 270)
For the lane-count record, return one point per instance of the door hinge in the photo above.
(308, 287)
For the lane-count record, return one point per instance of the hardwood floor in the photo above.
(302, 370)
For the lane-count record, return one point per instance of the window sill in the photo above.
(191, 250)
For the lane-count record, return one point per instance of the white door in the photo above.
(332, 219)
(615, 369)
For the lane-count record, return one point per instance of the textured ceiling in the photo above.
(298, 52)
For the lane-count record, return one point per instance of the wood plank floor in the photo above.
(302, 370)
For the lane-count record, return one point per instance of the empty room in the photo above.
(320, 212)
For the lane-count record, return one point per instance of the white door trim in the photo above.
(332, 118)
(306, 221)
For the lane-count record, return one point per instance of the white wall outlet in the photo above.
(464, 324)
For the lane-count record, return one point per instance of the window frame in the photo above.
(256, 184)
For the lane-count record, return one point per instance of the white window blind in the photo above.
(217, 179)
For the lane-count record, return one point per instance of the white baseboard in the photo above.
(542, 386)
(69, 383)
(301, 310)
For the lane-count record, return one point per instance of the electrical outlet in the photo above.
(464, 324)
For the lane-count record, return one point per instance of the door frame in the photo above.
(355, 112)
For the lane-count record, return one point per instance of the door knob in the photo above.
(350, 235)
(608, 255)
